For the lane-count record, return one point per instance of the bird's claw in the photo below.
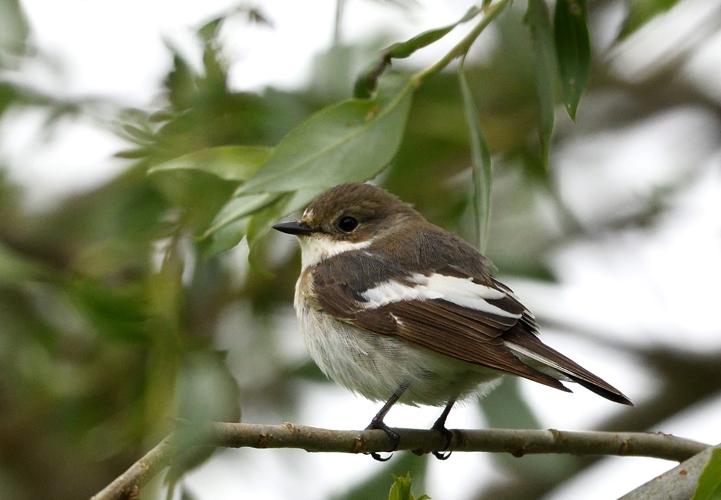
(394, 437)
(443, 455)
(377, 456)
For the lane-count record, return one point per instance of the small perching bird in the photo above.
(400, 310)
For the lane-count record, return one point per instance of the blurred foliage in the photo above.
(573, 47)
(482, 173)
(505, 407)
(642, 11)
(539, 24)
(13, 32)
(376, 486)
(401, 489)
(709, 484)
(123, 314)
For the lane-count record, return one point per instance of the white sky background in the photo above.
(114, 49)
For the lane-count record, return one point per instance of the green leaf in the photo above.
(14, 28)
(573, 50)
(115, 313)
(401, 489)
(132, 154)
(538, 21)
(401, 50)
(405, 49)
(16, 269)
(261, 221)
(258, 225)
(233, 163)
(180, 85)
(200, 182)
(136, 134)
(238, 207)
(642, 11)
(709, 484)
(224, 238)
(366, 83)
(198, 194)
(375, 486)
(482, 168)
(349, 141)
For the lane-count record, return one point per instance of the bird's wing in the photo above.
(467, 316)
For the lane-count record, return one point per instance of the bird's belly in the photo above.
(376, 365)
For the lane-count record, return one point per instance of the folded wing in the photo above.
(473, 318)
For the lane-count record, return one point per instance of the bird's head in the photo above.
(348, 217)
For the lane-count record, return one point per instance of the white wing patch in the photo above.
(556, 370)
(460, 291)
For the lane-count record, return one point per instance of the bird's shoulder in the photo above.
(428, 247)
(420, 267)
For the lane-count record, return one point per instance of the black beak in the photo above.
(292, 227)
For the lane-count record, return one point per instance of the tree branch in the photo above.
(461, 48)
(516, 442)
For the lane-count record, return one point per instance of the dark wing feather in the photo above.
(430, 325)
(573, 370)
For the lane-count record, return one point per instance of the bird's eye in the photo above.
(347, 224)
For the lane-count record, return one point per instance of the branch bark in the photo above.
(514, 441)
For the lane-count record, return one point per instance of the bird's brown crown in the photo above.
(371, 207)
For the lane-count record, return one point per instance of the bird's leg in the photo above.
(440, 426)
(377, 423)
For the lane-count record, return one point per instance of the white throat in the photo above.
(316, 248)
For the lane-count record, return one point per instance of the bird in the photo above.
(397, 309)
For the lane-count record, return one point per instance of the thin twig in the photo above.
(126, 485)
(462, 47)
(514, 441)
(338, 24)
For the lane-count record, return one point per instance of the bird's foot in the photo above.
(392, 435)
(448, 435)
